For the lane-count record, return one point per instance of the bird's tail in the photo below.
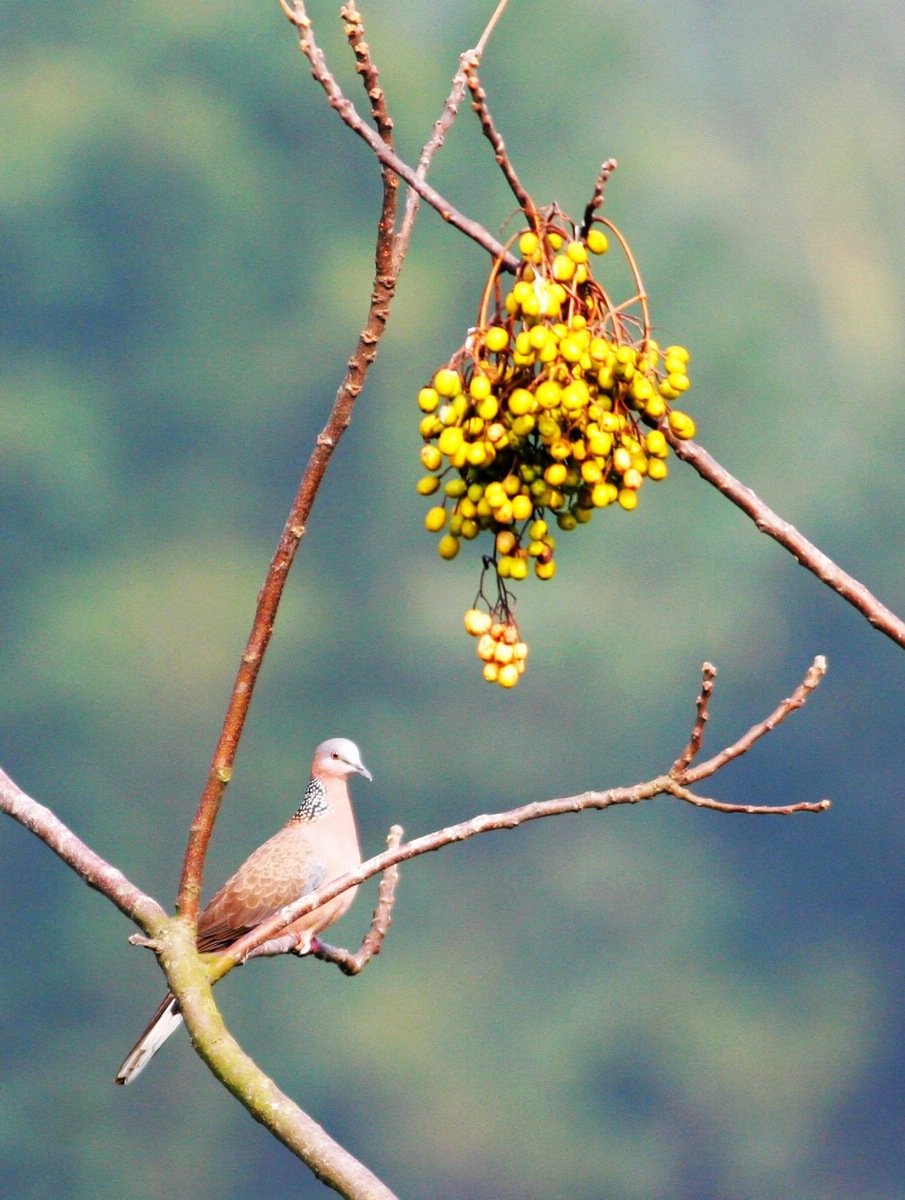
(165, 1021)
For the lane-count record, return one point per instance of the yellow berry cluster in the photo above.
(556, 405)
(499, 647)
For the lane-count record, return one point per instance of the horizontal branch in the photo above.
(94, 870)
(675, 783)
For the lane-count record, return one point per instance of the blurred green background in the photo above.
(650, 1003)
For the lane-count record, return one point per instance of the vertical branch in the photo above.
(386, 274)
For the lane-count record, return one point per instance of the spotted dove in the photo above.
(318, 844)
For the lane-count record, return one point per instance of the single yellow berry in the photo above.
(548, 394)
(657, 469)
(545, 570)
(435, 519)
(655, 443)
(681, 424)
(633, 479)
(508, 675)
(427, 485)
(598, 242)
(491, 672)
(528, 244)
(520, 402)
(563, 268)
(450, 440)
(428, 399)
(477, 622)
(678, 381)
(448, 546)
(577, 251)
(479, 387)
(486, 647)
(502, 653)
(627, 499)
(447, 382)
(522, 507)
(496, 339)
(431, 458)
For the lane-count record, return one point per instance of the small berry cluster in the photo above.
(554, 407)
(499, 647)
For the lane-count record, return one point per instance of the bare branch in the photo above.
(816, 672)
(766, 810)
(606, 170)
(479, 104)
(697, 734)
(90, 867)
(770, 523)
(674, 784)
(187, 975)
(348, 113)
(350, 963)
(386, 275)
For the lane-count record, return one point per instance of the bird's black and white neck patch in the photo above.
(314, 802)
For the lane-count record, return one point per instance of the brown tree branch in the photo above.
(296, 13)
(675, 783)
(812, 679)
(90, 867)
(386, 275)
(479, 104)
(187, 976)
(770, 523)
(350, 963)
(708, 671)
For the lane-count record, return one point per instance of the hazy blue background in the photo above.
(651, 1003)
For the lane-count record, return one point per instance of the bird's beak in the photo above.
(363, 770)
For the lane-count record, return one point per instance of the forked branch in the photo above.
(676, 782)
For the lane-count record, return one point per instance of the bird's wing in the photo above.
(277, 873)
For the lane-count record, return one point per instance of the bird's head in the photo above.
(338, 756)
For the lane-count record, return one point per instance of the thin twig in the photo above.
(704, 770)
(750, 810)
(368, 71)
(351, 964)
(348, 113)
(438, 134)
(691, 751)
(606, 170)
(770, 523)
(479, 104)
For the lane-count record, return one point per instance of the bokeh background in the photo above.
(655, 1002)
